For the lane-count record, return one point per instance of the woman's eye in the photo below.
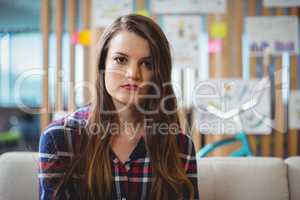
(147, 64)
(120, 60)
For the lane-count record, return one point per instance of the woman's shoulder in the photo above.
(185, 143)
(184, 139)
(75, 119)
(187, 154)
(78, 118)
(67, 127)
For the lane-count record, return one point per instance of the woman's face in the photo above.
(128, 68)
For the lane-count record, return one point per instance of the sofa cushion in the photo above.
(19, 176)
(293, 164)
(228, 178)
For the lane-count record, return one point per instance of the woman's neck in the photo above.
(131, 120)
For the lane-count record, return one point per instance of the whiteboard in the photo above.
(218, 102)
(188, 6)
(183, 33)
(105, 12)
(281, 3)
(278, 34)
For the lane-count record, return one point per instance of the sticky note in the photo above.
(214, 46)
(218, 30)
(83, 37)
(143, 12)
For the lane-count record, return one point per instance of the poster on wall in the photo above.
(275, 34)
(105, 12)
(183, 34)
(188, 6)
(281, 3)
(227, 106)
(294, 110)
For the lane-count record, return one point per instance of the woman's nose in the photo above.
(133, 72)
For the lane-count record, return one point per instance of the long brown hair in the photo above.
(91, 159)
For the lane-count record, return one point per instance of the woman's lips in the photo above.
(130, 87)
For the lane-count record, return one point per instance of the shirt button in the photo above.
(127, 166)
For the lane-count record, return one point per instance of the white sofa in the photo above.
(249, 178)
(220, 178)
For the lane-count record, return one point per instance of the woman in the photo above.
(127, 143)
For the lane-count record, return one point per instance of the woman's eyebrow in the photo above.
(123, 54)
(146, 58)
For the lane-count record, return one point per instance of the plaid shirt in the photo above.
(132, 179)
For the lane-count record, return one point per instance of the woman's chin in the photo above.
(127, 100)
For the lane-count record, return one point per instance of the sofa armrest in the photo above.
(19, 176)
(293, 164)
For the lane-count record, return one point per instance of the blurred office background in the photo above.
(46, 49)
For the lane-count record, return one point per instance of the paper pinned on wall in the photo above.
(281, 3)
(105, 12)
(188, 6)
(227, 106)
(183, 34)
(294, 110)
(278, 34)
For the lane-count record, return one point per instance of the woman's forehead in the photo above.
(130, 44)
